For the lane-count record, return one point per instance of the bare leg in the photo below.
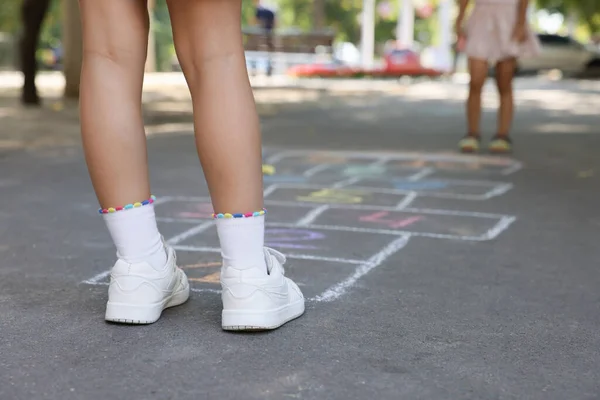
(505, 71)
(145, 279)
(115, 37)
(208, 40)
(478, 70)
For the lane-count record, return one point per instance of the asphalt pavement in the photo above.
(429, 274)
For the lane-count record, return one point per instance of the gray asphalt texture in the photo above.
(516, 317)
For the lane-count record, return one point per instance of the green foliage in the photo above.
(588, 11)
(9, 16)
(163, 36)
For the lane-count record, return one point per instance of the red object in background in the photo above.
(397, 63)
(425, 11)
(322, 70)
(405, 62)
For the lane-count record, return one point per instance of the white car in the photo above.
(562, 53)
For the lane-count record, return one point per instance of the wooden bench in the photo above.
(289, 42)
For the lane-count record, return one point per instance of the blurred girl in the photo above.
(496, 32)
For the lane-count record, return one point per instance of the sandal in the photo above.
(500, 145)
(469, 144)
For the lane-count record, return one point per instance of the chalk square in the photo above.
(442, 224)
(317, 194)
(457, 164)
(335, 276)
(344, 246)
(203, 270)
(444, 188)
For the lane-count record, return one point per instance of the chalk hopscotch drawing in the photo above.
(347, 212)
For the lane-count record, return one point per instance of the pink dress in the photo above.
(489, 32)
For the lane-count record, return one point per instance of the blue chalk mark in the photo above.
(364, 170)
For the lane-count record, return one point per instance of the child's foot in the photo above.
(138, 293)
(500, 145)
(469, 144)
(254, 301)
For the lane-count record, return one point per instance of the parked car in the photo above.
(562, 53)
(405, 62)
(327, 69)
(397, 63)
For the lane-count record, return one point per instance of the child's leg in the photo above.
(208, 40)
(114, 51)
(505, 71)
(209, 46)
(478, 70)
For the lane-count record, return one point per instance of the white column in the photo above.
(445, 16)
(406, 23)
(368, 33)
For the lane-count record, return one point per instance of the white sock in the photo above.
(242, 241)
(136, 236)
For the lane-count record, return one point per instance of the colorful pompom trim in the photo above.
(111, 210)
(247, 215)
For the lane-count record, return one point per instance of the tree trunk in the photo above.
(73, 50)
(319, 17)
(32, 16)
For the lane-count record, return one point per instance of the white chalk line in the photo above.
(315, 170)
(345, 182)
(206, 249)
(341, 228)
(312, 215)
(275, 158)
(205, 290)
(511, 170)
(434, 211)
(471, 182)
(94, 280)
(470, 159)
(95, 283)
(421, 174)
(268, 190)
(190, 232)
(498, 191)
(285, 203)
(441, 195)
(500, 227)
(407, 201)
(375, 261)
(162, 200)
(389, 232)
(380, 162)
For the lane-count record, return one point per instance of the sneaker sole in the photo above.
(250, 320)
(469, 149)
(134, 314)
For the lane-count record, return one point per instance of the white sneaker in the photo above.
(138, 293)
(252, 302)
